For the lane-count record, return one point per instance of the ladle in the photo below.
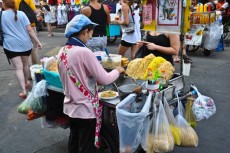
(139, 88)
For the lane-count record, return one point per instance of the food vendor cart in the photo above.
(110, 130)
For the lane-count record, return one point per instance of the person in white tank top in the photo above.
(129, 40)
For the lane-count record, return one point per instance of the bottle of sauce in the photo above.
(205, 7)
(201, 7)
(198, 8)
(209, 8)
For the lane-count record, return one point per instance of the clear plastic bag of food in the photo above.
(40, 89)
(24, 107)
(163, 140)
(172, 123)
(203, 107)
(189, 136)
(131, 124)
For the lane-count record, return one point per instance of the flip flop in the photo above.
(176, 61)
(22, 95)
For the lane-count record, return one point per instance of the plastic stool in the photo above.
(220, 46)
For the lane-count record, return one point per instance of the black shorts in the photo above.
(10, 54)
(126, 44)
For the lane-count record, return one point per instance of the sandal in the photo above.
(176, 61)
(187, 59)
(22, 95)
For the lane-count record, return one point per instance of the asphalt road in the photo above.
(210, 74)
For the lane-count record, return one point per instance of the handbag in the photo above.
(130, 27)
(1, 32)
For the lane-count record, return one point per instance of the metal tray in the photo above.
(177, 81)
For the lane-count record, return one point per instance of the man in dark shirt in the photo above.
(100, 14)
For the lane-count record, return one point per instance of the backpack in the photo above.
(1, 32)
(23, 6)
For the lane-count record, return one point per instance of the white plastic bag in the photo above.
(189, 136)
(163, 140)
(172, 123)
(203, 107)
(131, 125)
(212, 39)
(40, 89)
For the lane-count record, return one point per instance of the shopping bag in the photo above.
(24, 107)
(189, 117)
(189, 136)
(172, 123)
(131, 124)
(203, 107)
(40, 89)
(163, 140)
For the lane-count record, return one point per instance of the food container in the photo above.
(33, 69)
(98, 55)
(51, 77)
(111, 63)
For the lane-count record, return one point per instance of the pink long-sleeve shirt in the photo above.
(87, 69)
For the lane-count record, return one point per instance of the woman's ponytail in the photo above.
(15, 16)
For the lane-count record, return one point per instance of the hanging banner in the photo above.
(147, 14)
(168, 16)
(149, 11)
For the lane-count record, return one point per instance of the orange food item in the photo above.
(31, 115)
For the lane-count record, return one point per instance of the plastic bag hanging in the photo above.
(189, 136)
(189, 117)
(203, 107)
(150, 147)
(172, 123)
(163, 140)
(40, 89)
(131, 125)
(24, 107)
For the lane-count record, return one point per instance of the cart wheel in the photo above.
(191, 48)
(111, 39)
(207, 52)
(107, 144)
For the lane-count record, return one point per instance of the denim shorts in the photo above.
(97, 43)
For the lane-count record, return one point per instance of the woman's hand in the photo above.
(116, 22)
(39, 45)
(120, 69)
(151, 46)
(140, 43)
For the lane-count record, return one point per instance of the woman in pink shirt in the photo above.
(79, 71)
